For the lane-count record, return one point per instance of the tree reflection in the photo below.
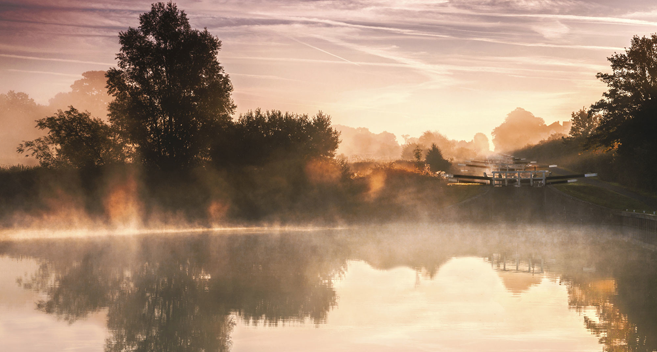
(187, 292)
(181, 294)
(622, 293)
(166, 306)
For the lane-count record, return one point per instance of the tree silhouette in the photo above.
(435, 160)
(75, 139)
(171, 94)
(258, 137)
(584, 123)
(521, 128)
(628, 110)
(629, 107)
(417, 154)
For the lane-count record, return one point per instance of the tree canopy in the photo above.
(436, 160)
(584, 123)
(74, 139)
(259, 137)
(629, 108)
(171, 94)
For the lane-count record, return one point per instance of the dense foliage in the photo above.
(17, 115)
(75, 139)
(583, 124)
(258, 138)
(171, 94)
(436, 160)
(619, 130)
(629, 108)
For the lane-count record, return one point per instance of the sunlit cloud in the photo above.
(551, 30)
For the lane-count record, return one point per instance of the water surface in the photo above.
(395, 288)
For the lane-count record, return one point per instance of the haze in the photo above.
(399, 66)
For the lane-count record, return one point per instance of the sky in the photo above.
(402, 66)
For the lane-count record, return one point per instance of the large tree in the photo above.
(171, 94)
(629, 108)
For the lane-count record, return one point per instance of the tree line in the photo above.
(172, 110)
(171, 153)
(615, 136)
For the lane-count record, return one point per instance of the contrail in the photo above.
(55, 59)
(264, 77)
(324, 51)
(46, 72)
(611, 20)
(411, 32)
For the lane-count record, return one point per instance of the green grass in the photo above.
(603, 197)
(635, 190)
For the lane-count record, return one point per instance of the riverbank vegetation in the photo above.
(604, 197)
(171, 153)
(317, 191)
(170, 150)
(615, 136)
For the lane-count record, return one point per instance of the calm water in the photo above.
(399, 288)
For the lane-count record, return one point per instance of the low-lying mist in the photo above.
(372, 180)
(127, 197)
(19, 112)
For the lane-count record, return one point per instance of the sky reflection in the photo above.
(464, 307)
(376, 288)
(22, 328)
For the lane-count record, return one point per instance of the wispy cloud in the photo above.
(581, 18)
(322, 50)
(353, 54)
(424, 34)
(276, 78)
(11, 56)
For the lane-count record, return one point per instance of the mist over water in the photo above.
(454, 285)
(159, 218)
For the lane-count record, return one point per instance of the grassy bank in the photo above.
(293, 192)
(635, 174)
(603, 197)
